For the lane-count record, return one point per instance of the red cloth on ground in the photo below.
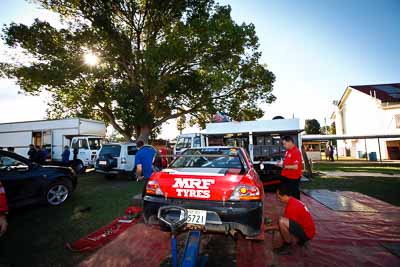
(296, 210)
(107, 233)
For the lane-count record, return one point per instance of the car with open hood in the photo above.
(217, 185)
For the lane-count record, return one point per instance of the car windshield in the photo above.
(111, 150)
(95, 143)
(210, 158)
(8, 162)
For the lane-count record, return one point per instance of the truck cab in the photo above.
(189, 140)
(84, 150)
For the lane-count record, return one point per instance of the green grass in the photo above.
(385, 168)
(384, 188)
(36, 235)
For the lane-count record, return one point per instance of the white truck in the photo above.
(260, 138)
(83, 136)
(188, 140)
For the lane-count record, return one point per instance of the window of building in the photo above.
(397, 119)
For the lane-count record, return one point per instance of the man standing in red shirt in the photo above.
(292, 167)
(3, 210)
(296, 225)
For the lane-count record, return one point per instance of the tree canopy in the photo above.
(328, 129)
(312, 127)
(157, 60)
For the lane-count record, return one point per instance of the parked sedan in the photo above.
(217, 185)
(26, 182)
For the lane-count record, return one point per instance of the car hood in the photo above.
(198, 183)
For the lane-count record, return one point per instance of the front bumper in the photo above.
(243, 216)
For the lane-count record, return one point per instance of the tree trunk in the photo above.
(144, 133)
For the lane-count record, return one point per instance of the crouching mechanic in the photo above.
(3, 210)
(296, 225)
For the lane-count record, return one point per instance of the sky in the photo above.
(315, 48)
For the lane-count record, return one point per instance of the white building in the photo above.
(369, 110)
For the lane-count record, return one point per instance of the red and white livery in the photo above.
(217, 185)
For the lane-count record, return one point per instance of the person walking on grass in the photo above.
(32, 153)
(331, 152)
(296, 226)
(292, 167)
(65, 155)
(144, 163)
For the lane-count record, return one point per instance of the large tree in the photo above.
(157, 60)
(312, 127)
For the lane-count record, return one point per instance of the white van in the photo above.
(117, 158)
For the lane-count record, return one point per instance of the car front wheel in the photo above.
(58, 192)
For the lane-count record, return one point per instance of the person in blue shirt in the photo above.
(65, 155)
(42, 154)
(144, 163)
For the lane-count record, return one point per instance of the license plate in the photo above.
(197, 217)
(103, 162)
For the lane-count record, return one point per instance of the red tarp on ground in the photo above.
(140, 245)
(107, 233)
(342, 239)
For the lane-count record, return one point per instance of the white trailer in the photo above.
(261, 138)
(83, 135)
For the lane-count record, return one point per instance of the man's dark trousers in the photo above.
(293, 185)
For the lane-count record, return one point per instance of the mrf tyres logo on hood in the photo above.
(192, 187)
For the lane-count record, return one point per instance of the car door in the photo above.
(17, 179)
(130, 158)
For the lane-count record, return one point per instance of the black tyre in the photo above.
(58, 192)
(78, 166)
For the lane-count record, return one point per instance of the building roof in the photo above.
(257, 126)
(384, 92)
(320, 137)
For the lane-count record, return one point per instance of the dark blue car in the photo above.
(27, 183)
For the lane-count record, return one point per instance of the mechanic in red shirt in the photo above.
(296, 225)
(292, 167)
(3, 210)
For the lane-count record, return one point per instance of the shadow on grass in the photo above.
(385, 168)
(37, 234)
(383, 188)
